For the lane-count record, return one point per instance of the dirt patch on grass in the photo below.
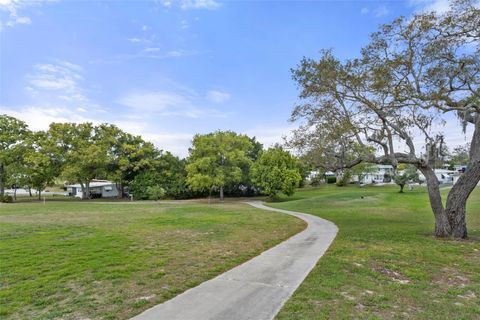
(451, 278)
(395, 276)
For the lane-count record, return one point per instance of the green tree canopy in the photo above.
(167, 172)
(216, 160)
(127, 154)
(84, 153)
(13, 133)
(40, 161)
(276, 171)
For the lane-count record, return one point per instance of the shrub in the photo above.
(345, 179)
(331, 180)
(317, 180)
(155, 192)
(6, 199)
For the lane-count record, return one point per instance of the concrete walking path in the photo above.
(258, 288)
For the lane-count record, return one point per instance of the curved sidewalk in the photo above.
(258, 288)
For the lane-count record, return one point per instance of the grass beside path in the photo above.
(87, 260)
(385, 263)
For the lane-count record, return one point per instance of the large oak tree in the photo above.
(415, 75)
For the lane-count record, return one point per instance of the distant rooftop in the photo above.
(94, 183)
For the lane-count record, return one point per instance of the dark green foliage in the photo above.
(276, 171)
(13, 133)
(316, 180)
(304, 170)
(331, 179)
(218, 160)
(6, 198)
(168, 172)
(155, 192)
(409, 174)
(344, 179)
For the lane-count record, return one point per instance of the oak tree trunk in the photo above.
(456, 210)
(221, 194)
(442, 226)
(457, 201)
(87, 190)
(120, 189)
(2, 179)
(458, 195)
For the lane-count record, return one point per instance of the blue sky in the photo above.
(170, 69)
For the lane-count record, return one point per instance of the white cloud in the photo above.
(167, 3)
(380, 11)
(155, 101)
(40, 117)
(192, 4)
(177, 143)
(138, 40)
(439, 6)
(218, 96)
(149, 53)
(177, 53)
(199, 4)
(270, 136)
(151, 49)
(18, 20)
(377, 12)
(59, 80)
(13, 7)
(167, 103)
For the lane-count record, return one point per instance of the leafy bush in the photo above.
(316, 180)
(6, 199)
(345, 179)
(331, 180)
(155, 192)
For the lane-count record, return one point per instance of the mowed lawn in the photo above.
(384, 263)
(88, 260)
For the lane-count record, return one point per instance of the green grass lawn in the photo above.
(91, 260)
(384, 263)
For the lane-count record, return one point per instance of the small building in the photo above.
(380, 173)
(98, 189)
(446, 176)
(316, 174)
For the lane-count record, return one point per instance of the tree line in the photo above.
(222, 162)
